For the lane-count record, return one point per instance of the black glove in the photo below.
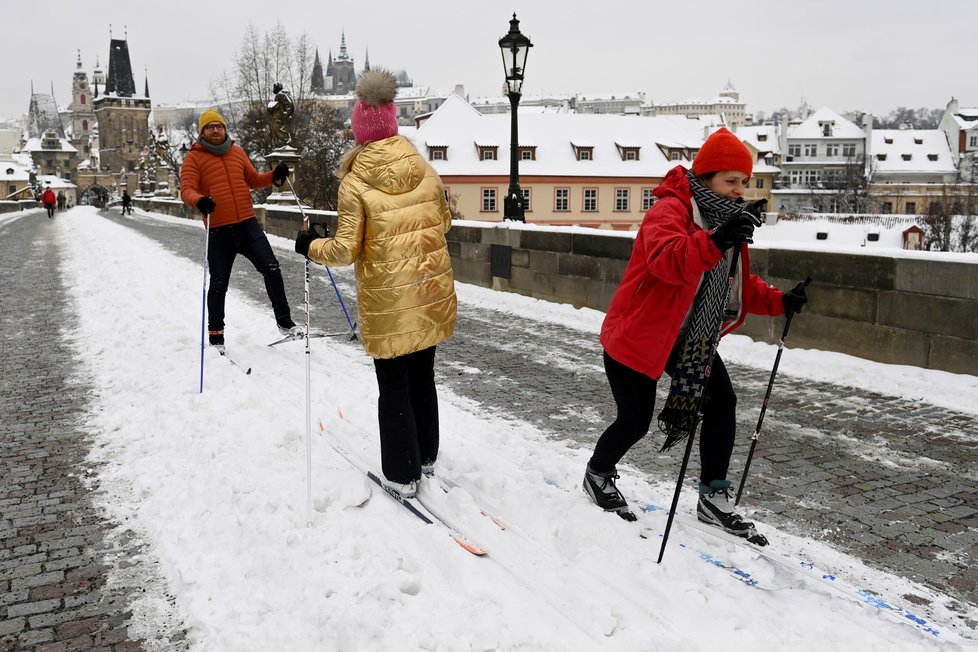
(302, 241)
(736, 230)
(206, 205)
(280, 174)
(756, 211)
(794, 299)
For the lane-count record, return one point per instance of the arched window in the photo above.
(84, 125)
(81, 98)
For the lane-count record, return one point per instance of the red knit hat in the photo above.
(374, 115)
(723, 151)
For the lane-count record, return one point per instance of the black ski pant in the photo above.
(50, 209)
(407, 409)
(225, 243)
(634, 394)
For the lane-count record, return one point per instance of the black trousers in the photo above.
(407, 409)
(634, 394)
(245, 238)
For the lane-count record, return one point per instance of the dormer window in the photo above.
(526, 153)
(583, 152)
(881, 157)
(888, 140)
(827, 127)
(918, 140)
(10, 170)
(761, 138)
(488, 152)
(628, 152)
(437, 152)
(906, 157)
(932, 157)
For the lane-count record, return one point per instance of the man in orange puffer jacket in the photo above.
(217, 178)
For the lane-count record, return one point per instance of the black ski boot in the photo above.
(714, 507)
(602, 490)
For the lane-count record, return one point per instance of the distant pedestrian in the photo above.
(666, 314)
(61, 200)
(392, 223)
(217, 178)
(50, 201)
(126, 202)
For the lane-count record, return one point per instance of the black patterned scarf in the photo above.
(678, 417)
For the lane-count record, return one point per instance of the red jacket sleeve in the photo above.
(677, 250)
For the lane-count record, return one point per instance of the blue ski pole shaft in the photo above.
(203, 299)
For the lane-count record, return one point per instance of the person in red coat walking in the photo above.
(217, 178)
(666, 314)
(50, 201)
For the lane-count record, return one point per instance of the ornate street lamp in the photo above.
(514, 47)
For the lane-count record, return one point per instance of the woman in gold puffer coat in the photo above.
(393, 217)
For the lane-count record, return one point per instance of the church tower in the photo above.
(82, 112)
(122, 114)
(344, 76)
(317, 86)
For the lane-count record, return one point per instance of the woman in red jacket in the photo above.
(665, 316)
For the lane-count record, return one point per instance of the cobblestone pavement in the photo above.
(55, 548)
(888, 480)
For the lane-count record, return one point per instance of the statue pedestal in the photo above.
(291, 157)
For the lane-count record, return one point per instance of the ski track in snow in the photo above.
(215, 485)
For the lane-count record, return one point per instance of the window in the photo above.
(887, 207)
(81, 98)
(826, 128)
(759, 183)
(590, 200)
(881, 157)
(621, 199)
(11, 190)
(583, 152)
(794, 150)
(973, 141)
(527, 199)
(488, 200)
(674, 156)
(561, 199)
(906, 157)
(832, 149)
(631, 155)
(487, 152)
(647, 199)
(526, 155)
(932, 157)
(627, 153)
(761, 138)
(888, 140)
(848, 149)
(811, 150)
(437, 153)
(911, 208)
(795, 177)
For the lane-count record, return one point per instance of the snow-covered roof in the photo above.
(752, 135)
(460, 127)
(967, 118)
(54, 182)
(811, 127)
(11, 171)
(34, 145)
(912, 150)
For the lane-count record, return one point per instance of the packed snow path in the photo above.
(830, 457)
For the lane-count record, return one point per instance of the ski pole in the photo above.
(734, 261)
(305, 221)
(203, 299)
(767, 397)
(305, 290)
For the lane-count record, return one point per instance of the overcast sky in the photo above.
(871, 55)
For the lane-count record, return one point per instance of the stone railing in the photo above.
(917, 309)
